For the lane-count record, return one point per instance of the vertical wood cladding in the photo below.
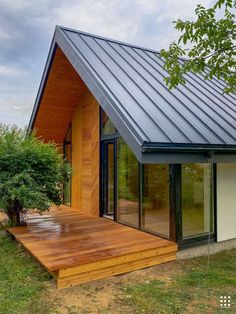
(85, 155)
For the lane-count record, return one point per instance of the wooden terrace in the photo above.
(76, 247)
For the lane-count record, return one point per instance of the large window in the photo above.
(155, 199)
(197, 209)
(127, 185)
(174, 201)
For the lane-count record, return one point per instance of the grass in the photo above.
(22, 280)
(26, 288)
(196, 290)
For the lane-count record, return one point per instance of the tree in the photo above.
(32, 173)
(209, 46)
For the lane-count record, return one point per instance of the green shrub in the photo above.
(32, 173)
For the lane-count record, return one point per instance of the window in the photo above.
(68, 158)
(107, 126)
(197, 199)
(155, 199)
(127, 185)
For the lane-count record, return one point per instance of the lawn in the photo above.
(22, 280)
(196, 289)
(177, 287)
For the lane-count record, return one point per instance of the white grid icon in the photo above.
(225, 301)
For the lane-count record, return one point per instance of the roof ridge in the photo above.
(120, 42)
(108, 39)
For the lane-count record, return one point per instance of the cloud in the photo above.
(10, 71)
(26, 30)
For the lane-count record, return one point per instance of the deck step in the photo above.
(112, 270)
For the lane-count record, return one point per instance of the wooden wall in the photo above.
(67, 100)
(85, 155)
(63, 89)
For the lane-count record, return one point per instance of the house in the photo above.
(153, 159)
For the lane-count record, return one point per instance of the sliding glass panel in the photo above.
(127, 185)
(197, 209)
(107, 126)
(155, 199)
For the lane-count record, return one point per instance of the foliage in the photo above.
(31, 173)
(210, 46)
(155, 186)
(127, 172)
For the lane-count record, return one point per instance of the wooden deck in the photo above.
(77, 248)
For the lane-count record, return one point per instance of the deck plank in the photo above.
(69, 243)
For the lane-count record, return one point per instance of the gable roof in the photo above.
(128, 83)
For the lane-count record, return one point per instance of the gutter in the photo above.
(148, 147)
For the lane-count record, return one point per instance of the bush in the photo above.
(32, 173)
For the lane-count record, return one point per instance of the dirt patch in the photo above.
(106, 296)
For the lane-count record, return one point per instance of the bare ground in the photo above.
(106, 296)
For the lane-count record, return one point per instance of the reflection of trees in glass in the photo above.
(127, 172)
(156, 185)
(107, 126)
(196, 199)
(192, 184)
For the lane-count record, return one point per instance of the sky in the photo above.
(27, 27)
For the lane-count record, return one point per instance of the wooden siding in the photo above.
(60, 98)
(66, 100)
(85, 155)
(76, 247)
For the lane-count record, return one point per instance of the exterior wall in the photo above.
(226, 201)
(85, 155)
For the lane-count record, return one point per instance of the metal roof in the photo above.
(128, 82)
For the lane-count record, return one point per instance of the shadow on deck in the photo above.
(77, 248)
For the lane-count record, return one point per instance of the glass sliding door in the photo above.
(155, 199)
(127, 185)
(197, 199)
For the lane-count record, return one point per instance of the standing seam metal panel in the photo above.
(196, 113)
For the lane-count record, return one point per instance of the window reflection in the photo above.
(107, 126)
(155, 199)
(127, 185)
(197, 206)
